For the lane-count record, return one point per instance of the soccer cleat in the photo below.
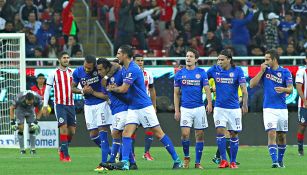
(33, 151)
(237, 163)
(177, 164)
(66, 159)
(301, 152)
(275, 165)
(102, 167)
(22, 151)
(186, 162)
(281, 165)
(147, 156)
(233, 165)
(123, 165)
(198, 166)
(133, 166)
(224, 164)
(216, 160)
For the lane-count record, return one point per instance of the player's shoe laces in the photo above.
(33, 151)
(233, 165)
(177, 164)
(301, 152)
(147, 156)
(224, 164)
(198, 166)
(23, 151)
(281, 164)
(216, 160)
(133, 166)
(275, 165)
(123, 165)
(186, 162)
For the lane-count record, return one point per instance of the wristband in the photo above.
(106, 77)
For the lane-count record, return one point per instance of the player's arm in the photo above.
(152, 92)
(287, 90)
(209, 98)
(75, 89)
(299, 88)
(115, 67)
(255, 81)
(100, 95)
(119, 89)
(177, 102)
(244, 97)
(12, 112)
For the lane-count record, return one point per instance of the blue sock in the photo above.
(169, 146)
(234, 146)
(221, 144)
(114, 150)
(148, 141)
(198, 151)
(186, 147)
(96, 140)
(131, 157)
(126, 148)
(273, 152)
(281, 152)
(104, 146)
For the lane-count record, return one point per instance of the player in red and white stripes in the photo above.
(61, 79)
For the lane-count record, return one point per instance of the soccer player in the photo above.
(277, 82)
(227, 112)
(301, 78)
(188, 85)
(151, 92)
(23, 108)
(119, 111)
(140, 108)
(61, 80)
(96, 109)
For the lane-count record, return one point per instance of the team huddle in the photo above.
(120, 96)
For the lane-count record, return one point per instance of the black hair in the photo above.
(90, 59)
(29, 96)
(40, 75)
(127, 49)
(137, 56)
(196, 53)
(273, 54)
(227, 53)
(116, 60)
(105, 63)
(61, 54)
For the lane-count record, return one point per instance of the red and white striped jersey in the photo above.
(61, 81)
(148, 78)
(301, 77)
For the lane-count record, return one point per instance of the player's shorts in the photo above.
(275, 119)
(65, 115)
(119, 120)
(97, 115)
(302, 116)
(228, 118)
(22, 114)
(146, 117)
(194, 116)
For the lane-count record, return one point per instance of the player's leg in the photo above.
(282, 129)
(133, 137)
(31, 120)
(148, 141)
(20, 138)
(302, 122)
(185, 142)
(91, 124)
(116, 142)
(227, 136)
(234, 147)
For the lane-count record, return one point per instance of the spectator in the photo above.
(271, 32)
(287, 28)
(255, 27)
(178, 49)
(223, 33)
(299, 7)
(169, 35)
(38, 53)
(9, 28)
(240, 37)
(79, 54)
(56, 24)
(44, 34)
(280, 51)
(266, 7)
(17, 23)
(291, 51)
(212, 43)
(52, 49)
(189, 7)
(41, 5)
(197, 24)
(26, 9)
(210, 16)
(195, 44)
(69, 24)
(33, 23)
(72, 46)
(31, 44)
(168, 12)
(280, 7)
(225, 9)
(5, 11)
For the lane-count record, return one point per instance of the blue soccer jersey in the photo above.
(93, 80)
(280, 77)
(191, 83)
(137, 95)
(227, 83)
(117, 105)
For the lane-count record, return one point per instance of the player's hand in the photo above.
(305, 103)
(104, 82)
(177, 116)
(87, 89)
(14, 127)
(279, 89)
(34, 126)
(244, 109)
(263, 67)
(209, 108)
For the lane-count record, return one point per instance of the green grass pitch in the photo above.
(254, 161)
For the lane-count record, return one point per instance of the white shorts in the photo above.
(119, 120)
(228, 118)
(275, 119)
(195, 116)
(146, 117)
(97, 115)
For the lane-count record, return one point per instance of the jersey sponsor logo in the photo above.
(273, 78)
(191, 82)
(225, 80)
(197, 76)
(90, 80)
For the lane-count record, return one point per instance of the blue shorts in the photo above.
(66, 115)
(302, 115)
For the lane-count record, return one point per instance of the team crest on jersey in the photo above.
(184, 81)
(217, 122)
(184, 122)
(197, 76)
(217, 73)
(270, 125)
(278, 74)
(95, 73)
(231, 74)
(83, 82)
(112, 79)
